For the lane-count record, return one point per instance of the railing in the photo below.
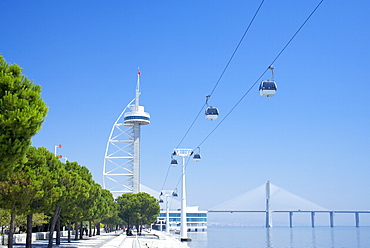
(19, 238)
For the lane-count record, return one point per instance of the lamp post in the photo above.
(55, 149)
(183, 153)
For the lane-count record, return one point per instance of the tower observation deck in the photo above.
(121, 172)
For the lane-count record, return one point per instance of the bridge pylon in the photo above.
(268, 211)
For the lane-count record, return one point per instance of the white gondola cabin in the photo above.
(196, 157)
(174, 162)
(268, 88)
(211, 113)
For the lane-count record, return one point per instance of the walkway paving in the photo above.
(152, 239)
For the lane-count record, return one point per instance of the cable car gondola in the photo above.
(174, 162)
(196, 156)
(211, 112)
(268, 88)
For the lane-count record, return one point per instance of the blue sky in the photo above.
(311, 138)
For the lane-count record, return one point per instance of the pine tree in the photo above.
(22, 111)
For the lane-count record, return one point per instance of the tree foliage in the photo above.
(77, 184)
(4, 217)
(139, 209)
(33, 180)
(22, 112)
(32, 189)
(106, 207)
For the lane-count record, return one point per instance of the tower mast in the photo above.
(137, 90)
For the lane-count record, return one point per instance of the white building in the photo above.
(196, 220)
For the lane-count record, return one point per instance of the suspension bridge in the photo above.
(269, 199)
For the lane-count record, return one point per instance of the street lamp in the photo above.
(55, 149)
(183, 153)
(167, 193)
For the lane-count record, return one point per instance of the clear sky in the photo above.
(311, 138)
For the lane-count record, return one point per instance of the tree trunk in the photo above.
(90, 233)
(76, 230)
(52, 227)
(29, 231)
(138, 228)
(94, 229)
(57, 241)
(2, 231)
(69, 232)
(11, 229)
(128, 227)
(98, 229)
(81, 231)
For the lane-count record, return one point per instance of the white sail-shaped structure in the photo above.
(121, 172)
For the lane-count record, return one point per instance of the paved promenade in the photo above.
(152, 239)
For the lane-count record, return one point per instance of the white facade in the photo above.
(196, 220)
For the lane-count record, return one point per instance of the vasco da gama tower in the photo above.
(121, 172)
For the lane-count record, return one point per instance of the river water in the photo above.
(281, 237)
